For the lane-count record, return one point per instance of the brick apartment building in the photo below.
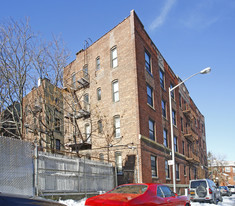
(117, 96)
(223, 173)
(44, 116)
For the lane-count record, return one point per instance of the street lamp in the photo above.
(204, 71)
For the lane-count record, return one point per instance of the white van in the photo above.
(232, 188)
(204, 190)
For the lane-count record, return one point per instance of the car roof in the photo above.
(148, 184)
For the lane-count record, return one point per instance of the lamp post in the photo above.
(204, 71)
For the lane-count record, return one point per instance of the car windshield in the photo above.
(130, 189)
(195, 184)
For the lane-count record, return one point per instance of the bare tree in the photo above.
(216, 166)
(22, 61)
(15, 63)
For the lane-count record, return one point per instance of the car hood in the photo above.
(111, 199)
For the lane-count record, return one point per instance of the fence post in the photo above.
(85, 176)
(35, 169)
(78, 169)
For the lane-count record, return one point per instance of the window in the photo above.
(57, 124)
(86, 102)
(165, 137)
(114, 57)
(172, 92)
(175, 144)
(87, 132)
(159, 192)
(118, 158)
(98, 63)
(115, 91)
(162, 78)
(163, 108)
(100, 126)
(150, 95)
(85, 71)
(233, 169)
(177, 171)
(147, 62)
(117, 133)
(57, 143)
(151, 130)
(154, 166)
(173, 117)
(182, 124)
(185, 170)
(101, 157)
(73, 80)
(167, 191)
(99, 94)
(183, 147)
(180, 100)
(167, 170)
(227, 169)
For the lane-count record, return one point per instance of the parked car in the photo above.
(225, 191)
(139, 194)
(204, 190)
(232, 188)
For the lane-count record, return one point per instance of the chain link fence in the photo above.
(26, 171)
(58, 174)
(16, 166)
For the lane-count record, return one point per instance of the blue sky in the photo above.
(190, 34)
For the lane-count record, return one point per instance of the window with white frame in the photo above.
(162, 78)
(117, 130)
(175, 144)
(227, 169)
(154, 166)
(115, 86)
(151, 129)
(98, 63)
(163, 108)
(173, 117)
(114, 57)
(148, 62)
(99, 94)
(172, 92)
(150, 95)
(118, 158)
(100, 126)
(101, 157)
(233, 169)
(165, 137)
(177, 172)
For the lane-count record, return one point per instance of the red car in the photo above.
(139, 194)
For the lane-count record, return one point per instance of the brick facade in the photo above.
(134, 147)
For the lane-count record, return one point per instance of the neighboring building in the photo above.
(229, 171)
(223, 172)
(117, 96)
(44, 116)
